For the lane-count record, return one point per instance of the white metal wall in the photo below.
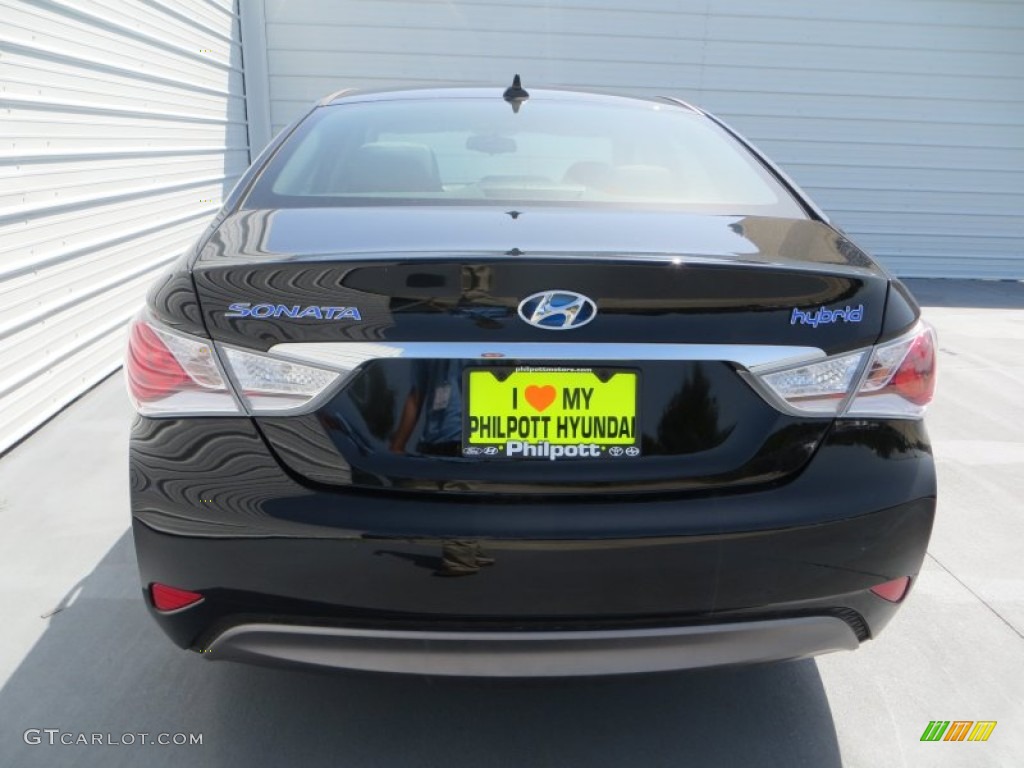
(904, 119)
(122, 123)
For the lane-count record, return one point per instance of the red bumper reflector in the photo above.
(167, 598)
(894, 590)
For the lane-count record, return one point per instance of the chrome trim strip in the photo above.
(534, 654)
(346, 356)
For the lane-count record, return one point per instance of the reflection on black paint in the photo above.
(853, 255)
(691, 421)
(432, 410)
(792, 445)
(889, 439)
(701, 425)
(474, 302)
(458, 557)
(376, 401)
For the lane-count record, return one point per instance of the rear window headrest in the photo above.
(391, 166)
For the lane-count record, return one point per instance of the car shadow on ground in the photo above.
(103, 666)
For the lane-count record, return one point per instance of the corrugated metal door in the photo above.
(904, 120)
(122, 124)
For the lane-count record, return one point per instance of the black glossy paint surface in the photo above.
(860, 467)
(459, 275)
(700, 426)
(406, 583)
(267, 235)
(214, 512)
(172, 300)
(901, 311)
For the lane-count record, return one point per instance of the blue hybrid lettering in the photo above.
(264, 311)
(824, 316)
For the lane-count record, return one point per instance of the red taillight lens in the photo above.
(167, 598)
(914, 380)
(171, 373)
(152, 371)
(900, 377)
(175, 374)
(894, 590)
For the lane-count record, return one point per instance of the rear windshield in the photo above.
(478, 151)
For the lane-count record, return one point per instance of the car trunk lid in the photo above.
(428, 304)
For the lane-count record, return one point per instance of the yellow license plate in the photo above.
(549, 413)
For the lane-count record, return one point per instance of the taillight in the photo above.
(270, 384)
(816, 388)
(171, 373)
(900, 377)
(153, 372)
(892, 380)
(174, 374)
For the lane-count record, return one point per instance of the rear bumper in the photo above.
(533, 654)
(336, 572)
(384, 584)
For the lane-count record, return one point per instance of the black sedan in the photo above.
(482, 381)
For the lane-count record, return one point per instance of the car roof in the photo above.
(494, 92)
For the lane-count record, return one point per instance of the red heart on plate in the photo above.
(540, 397)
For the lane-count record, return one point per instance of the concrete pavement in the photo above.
(956, 650)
